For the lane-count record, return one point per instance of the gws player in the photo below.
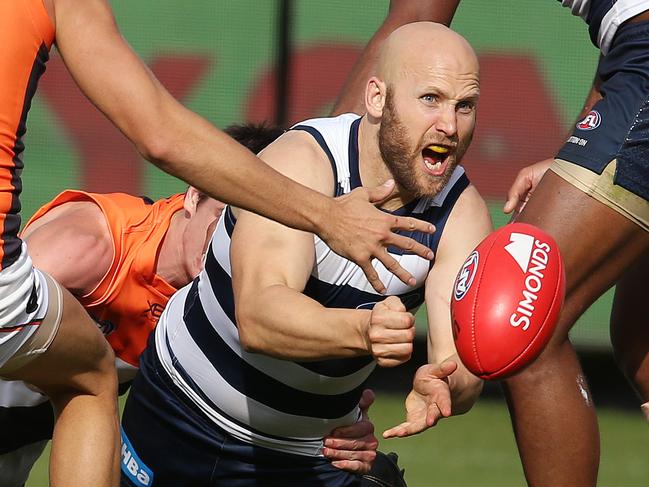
(129, 256)
(41, 325)
(268, 349)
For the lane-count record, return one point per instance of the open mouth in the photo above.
(436, 159)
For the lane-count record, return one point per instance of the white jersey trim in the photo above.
(620, 12)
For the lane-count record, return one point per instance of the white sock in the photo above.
(645, 410)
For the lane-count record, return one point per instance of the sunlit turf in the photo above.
(478, 449)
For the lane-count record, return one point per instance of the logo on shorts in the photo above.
(590, 121)
(132, 466)
(106, 327)
(466, 275)
(32, 303)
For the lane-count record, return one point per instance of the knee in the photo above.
(557, 359)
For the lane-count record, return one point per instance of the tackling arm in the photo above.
(187, 146)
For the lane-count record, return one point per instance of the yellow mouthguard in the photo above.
(438, 149)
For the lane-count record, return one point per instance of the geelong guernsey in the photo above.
(280, 404)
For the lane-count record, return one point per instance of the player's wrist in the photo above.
(320, 217)
(364, 325)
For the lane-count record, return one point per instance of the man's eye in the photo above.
(465, 106)
(429, 98)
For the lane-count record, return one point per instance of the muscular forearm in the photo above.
(284, 323)
(175, 139)
(208, 159)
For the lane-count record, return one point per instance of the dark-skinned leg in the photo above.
(552, 413)
(630, 326)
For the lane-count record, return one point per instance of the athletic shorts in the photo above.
(167, 442)
(602, 188)
(617, 127)
(30, 312)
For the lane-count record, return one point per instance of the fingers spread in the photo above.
(404, 429)
(412, 224)
(410, 245)
(393, 266)
(372, 276)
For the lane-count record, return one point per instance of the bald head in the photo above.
(424, 46)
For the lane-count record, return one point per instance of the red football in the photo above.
(506, 300)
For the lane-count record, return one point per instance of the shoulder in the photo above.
(299, 156)
(73, 243)
(471, 204)
(468, 223)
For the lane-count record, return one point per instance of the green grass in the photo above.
(478, 449)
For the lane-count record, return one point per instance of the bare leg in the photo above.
(78, 374)
(552, 413)
(630, 326)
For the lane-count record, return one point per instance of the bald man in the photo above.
(267, 351)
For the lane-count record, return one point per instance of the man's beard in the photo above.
(403, 161)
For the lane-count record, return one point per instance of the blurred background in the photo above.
(285, 61)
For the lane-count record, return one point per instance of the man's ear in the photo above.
(190, 203)
(375, 97)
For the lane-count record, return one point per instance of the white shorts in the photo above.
(30, 312)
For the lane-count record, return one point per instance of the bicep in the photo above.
(265, 253)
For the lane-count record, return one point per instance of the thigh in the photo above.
(77, 359)
(597, 243)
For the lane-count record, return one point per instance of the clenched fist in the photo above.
(390, 332)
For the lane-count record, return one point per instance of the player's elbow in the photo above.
(250, 333)
(156, 148)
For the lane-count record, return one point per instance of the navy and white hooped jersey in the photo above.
(280, 404)
(605, 16)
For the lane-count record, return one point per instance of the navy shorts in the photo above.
(166, 441)
(617, 127)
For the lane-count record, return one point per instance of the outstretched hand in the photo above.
(353, 447)
(524, 185)
(428, 402)
(360, 232)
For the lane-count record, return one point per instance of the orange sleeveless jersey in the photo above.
(129, 299)
(26, 36)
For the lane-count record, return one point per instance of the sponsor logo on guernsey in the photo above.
(591, 121)
(465, 276)
(154, 309)
(132, 466)
(532, 257)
